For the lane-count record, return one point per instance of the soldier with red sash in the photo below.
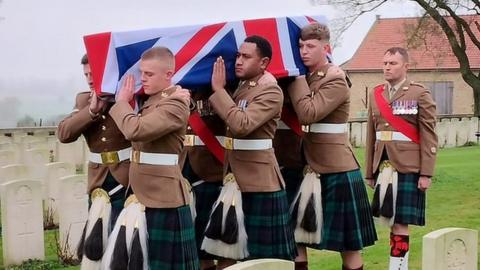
(331, 210)
(400, 153)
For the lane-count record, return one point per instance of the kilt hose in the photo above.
(410, 204)
(267, 222)
(171, 239)
(347, 218)
(293, 178)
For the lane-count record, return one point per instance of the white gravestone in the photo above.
(73, 211)
(450, 249)
(55, 171)
(7, 157)
(14, 172)
(22, 221)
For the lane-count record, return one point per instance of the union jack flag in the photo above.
(112, 55)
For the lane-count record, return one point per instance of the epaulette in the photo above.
(417, 84)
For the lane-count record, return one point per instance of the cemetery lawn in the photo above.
(453, 201)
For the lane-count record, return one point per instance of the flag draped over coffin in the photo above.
(113, 55)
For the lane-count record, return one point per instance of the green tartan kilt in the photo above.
(205, 196)
(347, 218)
(410, 204)
(267, 222)
(171, 239)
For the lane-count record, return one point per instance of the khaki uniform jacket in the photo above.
(203, 162)
(255, 170)
(324, 98)
(101, 134)
(159, 127)
(406, 157)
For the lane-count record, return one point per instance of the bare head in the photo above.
(157, 67)
(314, 45)
(395, 65)
(87, 71)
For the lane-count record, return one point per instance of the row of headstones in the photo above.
(22, 214)
(36, 149)
(451, 132)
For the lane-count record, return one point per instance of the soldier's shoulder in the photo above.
(418, 87)
(335, 71)
(82, 98)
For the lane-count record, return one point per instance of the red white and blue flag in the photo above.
(112, 55)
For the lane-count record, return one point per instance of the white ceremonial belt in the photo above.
(194, 140)
(154, 158)
(255, 144)
(325, 128)
(282, 125)
(391, 136)
(111, 157)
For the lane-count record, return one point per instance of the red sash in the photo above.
(208, 138)
(291, 120)
(400, 124)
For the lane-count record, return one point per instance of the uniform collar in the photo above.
(160, 95)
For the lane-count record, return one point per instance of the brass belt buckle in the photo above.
(386, 135)
(136, 156)
(228, 143)
(189, 140)
(110, 157)
(306, 128)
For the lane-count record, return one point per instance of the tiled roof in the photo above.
(432, 53)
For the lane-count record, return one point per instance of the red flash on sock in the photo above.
(399, 245)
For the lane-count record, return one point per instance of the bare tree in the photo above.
(448, 20)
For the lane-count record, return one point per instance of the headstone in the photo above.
(55, 171)
(364, 134)
(450, 249)
(6, 157)
(474, 127)
(451, 138)
(22, 226)
(463, 131)
(72, 152)
(263, 264)
(15, 147)
(5, 139)
(14, 172)
(73, 211)
(356, 134)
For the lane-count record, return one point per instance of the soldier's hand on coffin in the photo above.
(96, 104)
(267, 78)
(218, 75)
(424, 183)
(127, 90)
(182, 93)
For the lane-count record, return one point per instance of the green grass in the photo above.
(452, 201)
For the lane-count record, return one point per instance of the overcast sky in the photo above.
(41, 40)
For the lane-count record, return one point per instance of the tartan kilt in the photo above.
(205, 196)
(347, 218)
(171, 239)
(410, 204)
(293, 179)
(267, 222)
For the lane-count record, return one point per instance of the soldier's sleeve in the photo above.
(313, 108)
(428, 138)
(370, 142)
(261, 109)
(72, 126)
(171, 115)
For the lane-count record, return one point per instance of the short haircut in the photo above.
(402, 51)
(160, 53)
(315, 31)
(263, 46)
(84, 60)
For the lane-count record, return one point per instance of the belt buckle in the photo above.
(110, 157)
(228, 143)
(306, 128)
(386, 135)
(136, 156)
(189, 140)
